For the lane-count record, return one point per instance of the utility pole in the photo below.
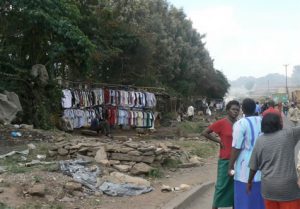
(268, 88)
(286, 86)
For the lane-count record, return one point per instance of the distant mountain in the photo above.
(271, 80)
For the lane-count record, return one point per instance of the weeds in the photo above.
(188, 127)
(4, 206)
(156, 173)
(171, 163)
(201, 149)
(41, 206)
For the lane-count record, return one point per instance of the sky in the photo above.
(248, 38)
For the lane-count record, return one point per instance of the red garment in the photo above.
(223, 128)
(270, 204)
(271, 110)
(106, 96)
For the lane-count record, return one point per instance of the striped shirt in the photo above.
(244, 139)
(273, 155)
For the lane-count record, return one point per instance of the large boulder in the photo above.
(39, 71)
(9, 106)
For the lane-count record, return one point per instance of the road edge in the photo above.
(184, 200)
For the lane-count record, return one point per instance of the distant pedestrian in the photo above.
(285, 108)
(293, 114)
(273, 155)
(257, 109)
(223, 196)
(271, 109)
(245, 134)
(190, 112)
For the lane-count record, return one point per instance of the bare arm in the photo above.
(207, 134)
(233, 156)
(250, 179)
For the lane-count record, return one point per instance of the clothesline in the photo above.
(111, 85)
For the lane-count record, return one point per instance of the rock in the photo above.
(101, 155)
(39, 71)
(163, 146)
(184, 187)
(31, 146)
(37, 190)
(166, 188)
(126, 157)
(50, 198)
(149, 153)
(67, 199)
(52, 153)
(1, 180)
(85, 158)
(62, 151)
(117, 177)
(98, 193)
(73, 186)
(134, 153)
(146, 149)
(173, 146)
(26, 126)
(122, 168)
(126, 149)
(104, 162)
(59, 139)
(141, 168)
(159, 151)
(120, 138)
(53, 148)
(1, 190)
(114, 162)
(195, 159)
(41, 157)
(131, 144)
(2, 169)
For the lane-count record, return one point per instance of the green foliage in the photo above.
(137, 42)
(4, 206)
(201, 149)
(156, 173)
(171, 163)
(187, 127)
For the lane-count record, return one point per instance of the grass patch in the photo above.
(187, 127)
(12, 163)
(155, 173)
(95, 202)
(4, 206)
(199, 148)
(41, 206)
(50, 168)
(171, 163)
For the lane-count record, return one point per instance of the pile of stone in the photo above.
(136, 157)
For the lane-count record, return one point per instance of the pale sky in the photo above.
(248, 38)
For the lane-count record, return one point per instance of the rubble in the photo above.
(142, 153)
(37, 190)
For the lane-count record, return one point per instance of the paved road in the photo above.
(205, 200)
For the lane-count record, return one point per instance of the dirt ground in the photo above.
(14, 187)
